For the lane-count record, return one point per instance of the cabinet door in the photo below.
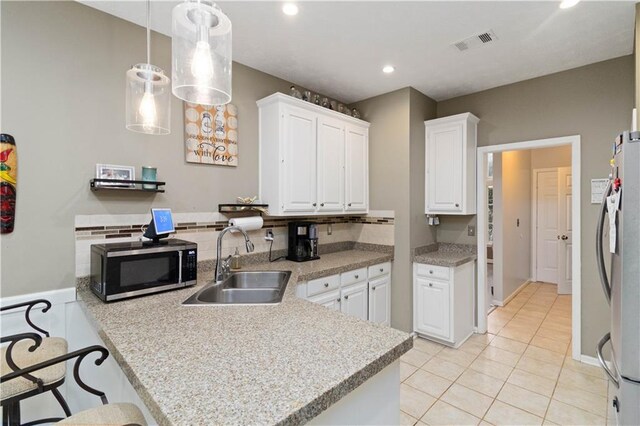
(444, 167)
(432, 316)
(357, 169)
(299, 165)
(329, 300)
(355, 300)
(380, 300)
(330, 165)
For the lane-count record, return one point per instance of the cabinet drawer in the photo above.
(321, 285)
(380, 269)
(353, 276)
(432, 271)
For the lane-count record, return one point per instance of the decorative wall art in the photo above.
(211, 134)
(8, 182)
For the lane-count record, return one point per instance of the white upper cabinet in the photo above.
(330, 165)
(356, 170)
(450, 165)
(300, 159)
(312, 160)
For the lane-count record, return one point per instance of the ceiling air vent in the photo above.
(476, 41)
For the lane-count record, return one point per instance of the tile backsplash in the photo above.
(203, 228)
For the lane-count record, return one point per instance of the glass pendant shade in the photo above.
(201, 53)
(148, 100)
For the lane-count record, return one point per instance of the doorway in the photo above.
(566, 216)
(552, 231)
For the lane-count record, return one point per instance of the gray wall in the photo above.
(421, 108)
(593, 101)
(559, 156)
(515, 205)
(396, 152)
(63, 83)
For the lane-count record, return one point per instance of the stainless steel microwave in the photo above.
(123, 270)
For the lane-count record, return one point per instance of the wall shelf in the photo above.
(98, 184)
(239, 208)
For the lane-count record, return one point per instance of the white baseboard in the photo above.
(515, 293)
(56, 297)
(591, 360)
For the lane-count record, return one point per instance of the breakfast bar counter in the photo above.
(261, 364)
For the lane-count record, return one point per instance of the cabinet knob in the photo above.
(314, 204)
(338, 300)
(431, 271)
(326, 284)
(430, 285)
(373, 288)
(349, 204)
(346, 297)
(357, 276)
(321, 204)
(457, 205)
(381, 269)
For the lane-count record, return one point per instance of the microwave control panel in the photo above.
(189, 265)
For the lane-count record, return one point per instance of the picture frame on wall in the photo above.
(112, 171)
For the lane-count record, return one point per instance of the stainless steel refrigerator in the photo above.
(620, 215)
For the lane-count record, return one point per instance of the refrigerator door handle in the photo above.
(601, 343)
(604, 280)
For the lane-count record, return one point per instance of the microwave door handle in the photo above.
(604, 280)
(179, 266)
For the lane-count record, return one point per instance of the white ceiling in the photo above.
(338, 48)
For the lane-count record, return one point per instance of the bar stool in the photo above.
(21, 355)
(107, 414)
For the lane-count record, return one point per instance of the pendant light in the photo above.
(201, 53)
(148, 106)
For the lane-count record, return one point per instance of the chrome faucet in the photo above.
(222, 267)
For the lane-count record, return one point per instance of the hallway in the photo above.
(520, 372)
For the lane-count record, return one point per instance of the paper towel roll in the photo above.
(247, 223)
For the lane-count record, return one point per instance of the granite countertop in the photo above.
(443, 254)
(269, 364)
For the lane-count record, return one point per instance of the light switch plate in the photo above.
(471, 231)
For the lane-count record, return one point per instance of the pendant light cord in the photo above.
(148, 33)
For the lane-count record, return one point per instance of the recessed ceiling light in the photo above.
(566, 4)
(388, 69)
(290, 9)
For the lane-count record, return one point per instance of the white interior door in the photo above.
(547, 223)
(565, 229)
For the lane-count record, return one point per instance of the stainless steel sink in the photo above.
(244, 288)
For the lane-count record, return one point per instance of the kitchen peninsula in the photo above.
(289, 363)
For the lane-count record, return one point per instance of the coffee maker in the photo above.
(303, 241)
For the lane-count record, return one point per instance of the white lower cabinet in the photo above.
(443, 302)
(329, 300)
(432, 315)
(364, 293)
(380, 300)
(355, 300)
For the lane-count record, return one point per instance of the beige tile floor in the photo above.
(519, 373)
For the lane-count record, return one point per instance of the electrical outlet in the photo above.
(471, 231)
(329, 229)
(268, 235)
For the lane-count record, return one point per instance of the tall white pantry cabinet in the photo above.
(450, 172)
(313, 161)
